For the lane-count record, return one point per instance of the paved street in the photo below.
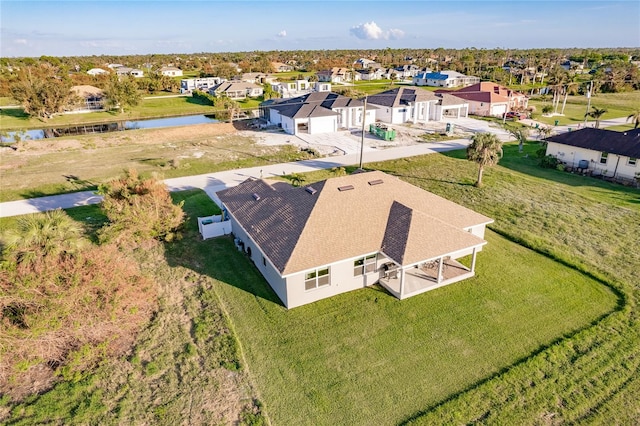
(337, 143)
(212, 182)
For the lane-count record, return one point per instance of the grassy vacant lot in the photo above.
(616, 104)
(183, 369)
(71, 164)
(16, 119)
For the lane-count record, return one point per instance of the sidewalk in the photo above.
(212, 182)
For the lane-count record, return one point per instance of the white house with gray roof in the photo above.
(350, 232)
(316, 112)
(405, 105)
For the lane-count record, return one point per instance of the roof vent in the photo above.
(345, 188)
(376, 182)
(255, 196)
(311, 190)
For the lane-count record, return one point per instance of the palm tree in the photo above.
(486, 150)
(519, 133)
(43, 236)
(596, 114)
(635, 118)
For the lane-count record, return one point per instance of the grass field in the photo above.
(16, 119)
(91, 160)
(616, 104)
(528, 341)
(366, 357)
(183, 369)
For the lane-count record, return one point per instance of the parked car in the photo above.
(516, 115)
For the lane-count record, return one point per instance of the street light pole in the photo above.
(364, 119)
(586, 114)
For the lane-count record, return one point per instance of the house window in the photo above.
(317, 278)
(632, 161)
(603, 157)
(364, 265)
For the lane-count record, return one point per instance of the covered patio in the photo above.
(417, 279)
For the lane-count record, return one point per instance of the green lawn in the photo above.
(366, 357)
(11, 119)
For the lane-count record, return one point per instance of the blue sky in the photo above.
(59, 28)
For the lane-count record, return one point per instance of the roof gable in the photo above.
(299, 231)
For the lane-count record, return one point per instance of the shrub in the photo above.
(139, 209)
(547, 109)
(549, 162)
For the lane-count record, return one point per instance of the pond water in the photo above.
(153, 123)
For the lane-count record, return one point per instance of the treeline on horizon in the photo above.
(607, 64)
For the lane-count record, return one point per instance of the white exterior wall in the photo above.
(572, 155)
(341, 281)
(268, 271)
(288, 125)
(274, 117)
(323, 125)
(385, 114)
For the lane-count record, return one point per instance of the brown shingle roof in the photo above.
(332, 225)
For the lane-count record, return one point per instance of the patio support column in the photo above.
(401, 283)
(440, 270)
(473, 259)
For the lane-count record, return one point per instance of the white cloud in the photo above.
(282, 34)
(371, 31)
(395, 34)
(20, 41)
(367, 31)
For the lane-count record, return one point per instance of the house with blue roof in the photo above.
(446, 78)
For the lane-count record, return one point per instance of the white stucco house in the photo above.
(350, 232)
(97, 71)
(171, 71)
(237, 90)
(447, 78)
(316, 112)
(405, 105)
(599, 151)
(203, 83)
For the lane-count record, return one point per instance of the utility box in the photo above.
(449, 128)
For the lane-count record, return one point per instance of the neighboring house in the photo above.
(350, 232)
(320, 86)
(129, 71)
(258, 78)
(372, 74)
(366, 63)
(97, 71)
(237, 90)
(405, 105)
(114, 66)
(444, 79)
(90, 99)
(407, 71)
(280, 67)
(292, 89)
(204, 83)
(450, 106)
(336, 75)
(491, 99)
(171, 71)
(603, 152)
(316, 112)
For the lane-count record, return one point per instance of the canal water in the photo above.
(154, 123)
